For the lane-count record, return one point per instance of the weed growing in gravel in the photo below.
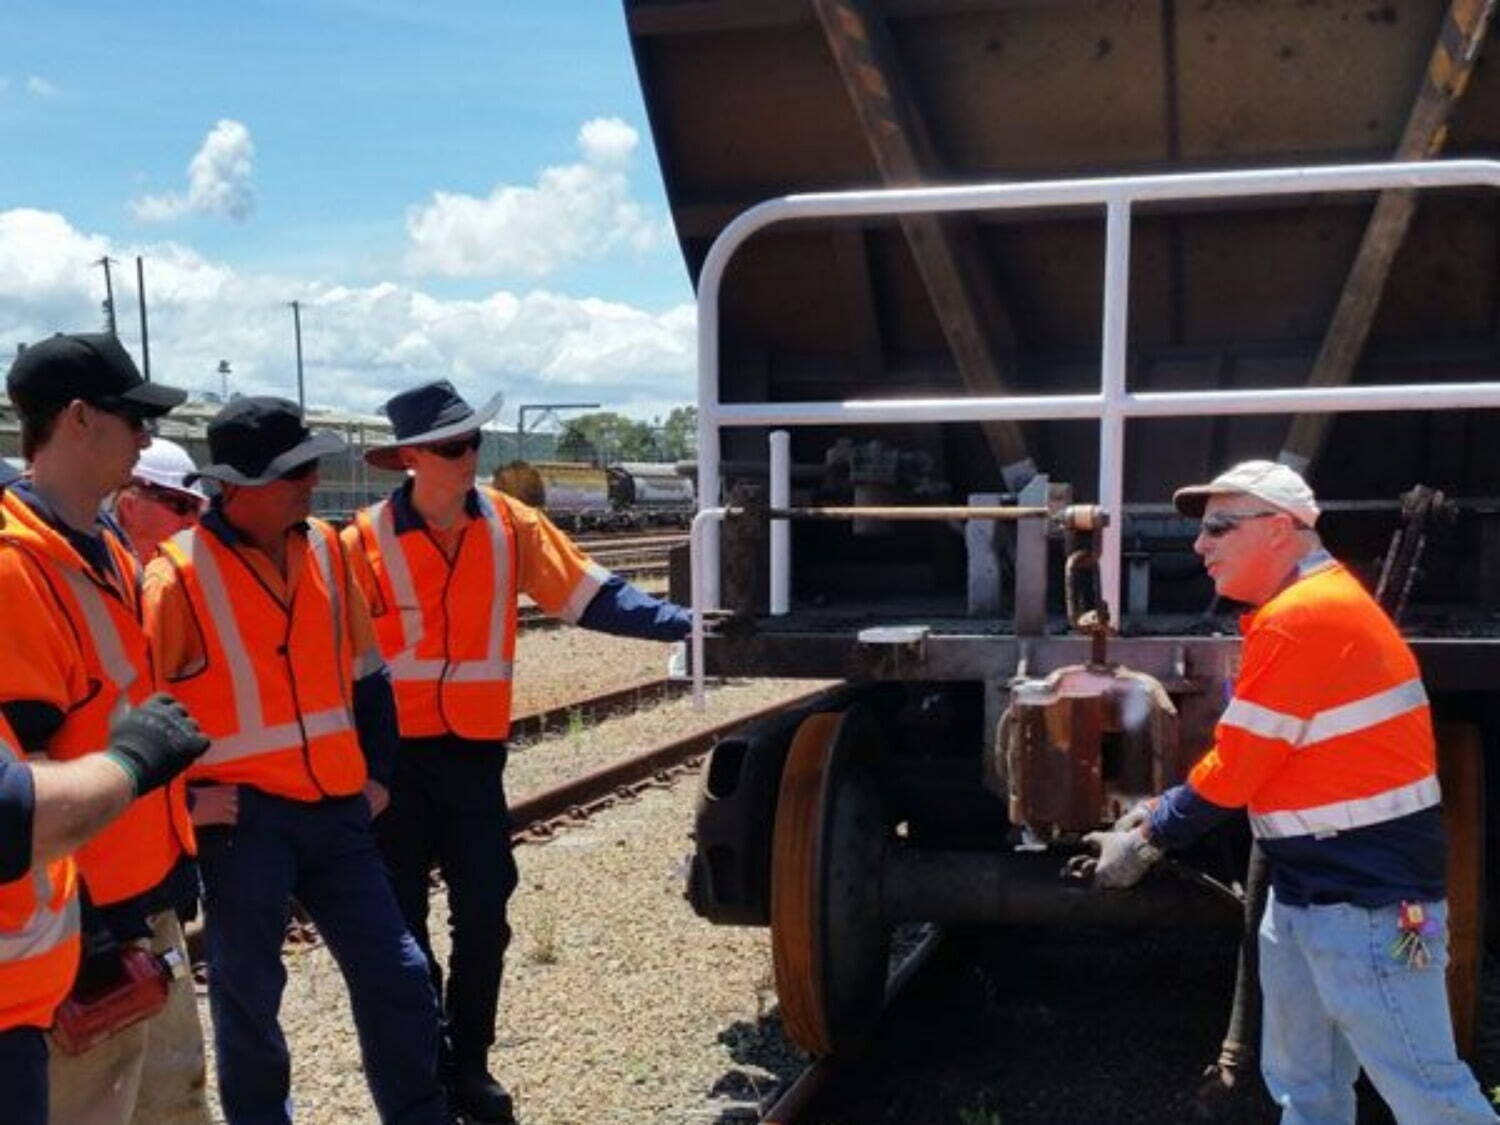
(543, 947)
(575, 722)
(980, 1114)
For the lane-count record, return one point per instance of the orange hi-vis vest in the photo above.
(447, 628)
(1329, 729)
(273, 692)
(38, 931)
(75, 641)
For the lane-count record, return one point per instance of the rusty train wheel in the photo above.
(829, 945)
(1461, 772)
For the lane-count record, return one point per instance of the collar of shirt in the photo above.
(90, 545)
(406, 517)
(1314, 562)
(282, 586)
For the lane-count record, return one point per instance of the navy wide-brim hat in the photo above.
(255, 440)
(423, 415)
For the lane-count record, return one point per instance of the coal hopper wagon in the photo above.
(1028, 266)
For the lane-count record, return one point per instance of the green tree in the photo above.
(679, 434)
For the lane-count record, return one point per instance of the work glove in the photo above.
(1134, 817)
(155, 742)
(1123, 858)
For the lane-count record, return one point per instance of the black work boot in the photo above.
(474, 1093)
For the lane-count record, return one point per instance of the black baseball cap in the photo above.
(91, 366)
(254, 440)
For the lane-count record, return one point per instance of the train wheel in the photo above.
(829, 943)
(1461, 771)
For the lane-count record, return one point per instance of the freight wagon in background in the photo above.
(989, 718)
(579, 497)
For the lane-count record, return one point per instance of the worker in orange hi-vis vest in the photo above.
(73, 660)
(441, 562)
(257, 627)
(1328, 742)
(47, 811)
(156, 504)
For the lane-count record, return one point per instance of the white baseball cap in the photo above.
(1278, 485)
(165, 463)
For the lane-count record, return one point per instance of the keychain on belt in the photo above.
(1414, 925)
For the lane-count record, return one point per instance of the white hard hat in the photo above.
(165, 463)
(1278, 485)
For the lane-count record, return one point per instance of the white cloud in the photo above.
(575, 212)
(41, 88)
(361, 345)
(218, 180)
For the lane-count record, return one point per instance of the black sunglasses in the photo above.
(1220, 524)
(300, 472)
(140, 423)
(453, 450)
(178, 503)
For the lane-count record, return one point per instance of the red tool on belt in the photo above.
(139, 992)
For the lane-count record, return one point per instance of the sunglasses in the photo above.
(1220, 524)
(138, 422)
(178, 503)
(453, 450)
(301, 472)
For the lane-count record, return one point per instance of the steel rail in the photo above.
(798, 1102)
(1114, 403)
(575, 799)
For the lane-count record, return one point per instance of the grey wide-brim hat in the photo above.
(427, 414)
(256, 440)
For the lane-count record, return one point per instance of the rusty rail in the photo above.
(537, 817)
(809, 1091)
(596, 707)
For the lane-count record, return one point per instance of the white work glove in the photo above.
(1134, 817)
(1123, 858)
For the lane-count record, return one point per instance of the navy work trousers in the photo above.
(323, 853)
(23, 1076)
(448, 807)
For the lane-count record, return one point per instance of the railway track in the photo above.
(812, 1091)
(538, 818)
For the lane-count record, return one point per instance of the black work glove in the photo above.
(155, 742)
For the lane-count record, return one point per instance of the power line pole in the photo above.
(140, 292)
(109, 292)
(297, 326)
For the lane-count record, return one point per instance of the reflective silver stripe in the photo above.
(45, 930)
(1341, 816)
(494, 665)
(409, 669)
(242, 678)
(403, 590)
(1346, 718)
(318, 543)
(264, 740)
(1370, 711)
(1263, 721)
(594, 576)
(106, 637)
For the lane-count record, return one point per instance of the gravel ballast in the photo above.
(619, 1003)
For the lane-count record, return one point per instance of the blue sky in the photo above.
(466, 192)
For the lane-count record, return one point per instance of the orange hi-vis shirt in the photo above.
(74, 640)
(446, 618)
(1329, 727)
(1328, 743)
(266, 662)
(39, 942)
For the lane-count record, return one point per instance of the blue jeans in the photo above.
(1337, 1000)
(323, 853)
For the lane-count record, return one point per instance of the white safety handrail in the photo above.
(1113, 403)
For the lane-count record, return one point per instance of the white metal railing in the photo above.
(1113, 403)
